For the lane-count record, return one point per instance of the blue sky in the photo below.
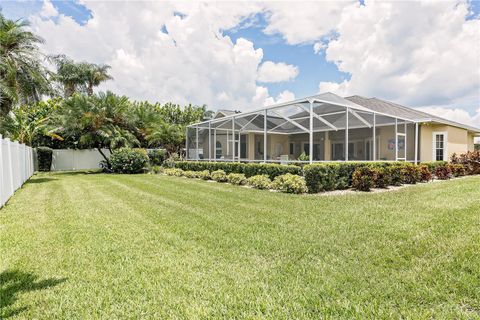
(419, 54)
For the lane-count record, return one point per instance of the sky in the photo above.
(245, 55)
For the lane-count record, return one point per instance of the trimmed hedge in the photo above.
(248, 169)
(338, 175)
(44, 156)
(290, 183)
(261, 181)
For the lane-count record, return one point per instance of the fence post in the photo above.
(10, 162)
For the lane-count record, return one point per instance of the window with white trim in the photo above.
(439, 146)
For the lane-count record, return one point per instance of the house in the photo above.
(327, 127)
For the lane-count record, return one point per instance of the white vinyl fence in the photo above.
(16, 166)
(73, 159)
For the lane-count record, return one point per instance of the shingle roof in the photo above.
(398, 110)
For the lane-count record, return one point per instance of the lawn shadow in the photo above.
(15, 282)
(39, 180)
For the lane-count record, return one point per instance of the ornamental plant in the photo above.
(458, 170)
(261, 181)
(128, 160)
(190, 174)
(410, 174)
(443, 172)
(290, 183)
(219, 176)
(425, 174)
(237, 179)
(363, 178)
(173, 172)
(204, 175)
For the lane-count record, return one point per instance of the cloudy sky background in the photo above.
(245, 55)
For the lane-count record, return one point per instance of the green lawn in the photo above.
(83, 246)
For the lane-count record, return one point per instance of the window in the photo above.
(291, 148)
(439, 146)
(218, 150)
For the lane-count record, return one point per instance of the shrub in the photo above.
(394, 173)
(44, 157)
(290, 183)
(470, 160)
(363, 178)
(173, 172)
(434, 164)
(425, 174)
(261, 181)
(219, 176)
(237, 178)
(443, 172)
(156, 156)
(170, 161)
(410, 174)
(204, 175)
(458, 170)
(128, 160)
(190, 174)
(248, 169)
(382, 179)
(326, 177)
(156, 169)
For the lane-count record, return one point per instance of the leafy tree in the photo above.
(96, 74)
(23, 78)
(99, 121)
(170, 136)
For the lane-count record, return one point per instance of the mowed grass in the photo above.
(95, 246)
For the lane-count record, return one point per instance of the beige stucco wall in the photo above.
(458, 140)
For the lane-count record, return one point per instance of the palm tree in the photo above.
(95, 75)
(79, 76)
(167, 135)
(99, 121)
(23, 78)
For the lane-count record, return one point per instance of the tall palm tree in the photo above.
(95, 75)
(23, 78)
(79, 76)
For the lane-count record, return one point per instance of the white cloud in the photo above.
(303, 22)
(285, 96)
(160, 55)
(276, 72)
(48, 10)
(415, 53)
(318, 47)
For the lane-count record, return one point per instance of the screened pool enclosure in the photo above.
(324, 127)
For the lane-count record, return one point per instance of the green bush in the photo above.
(248, 169)
(382, 179)
(219, 176)
(156, 169)
(394, 173)
(190, 174)
(303, 157)
(434, 164)
(204, 175)
(156, 156)
(411, 174)
(44, 157)
(173, 172)
(237, 179)
(458, 170)
(363, 178)
(290, 183)
(261, 181)
(169, 162)
(326, 177)
(425, 174)
(128, 160)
